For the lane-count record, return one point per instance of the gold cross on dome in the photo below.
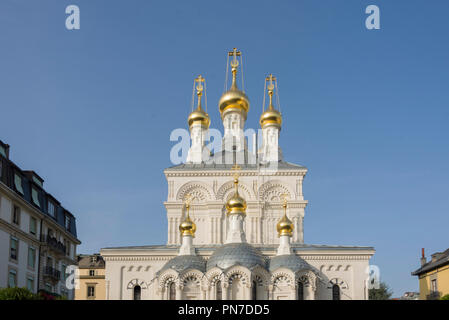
(199, 86)
(235, 54)
(188, 199)
(235, 168)
(270, 78)
(284, 197)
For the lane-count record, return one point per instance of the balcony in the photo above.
(435, 295)
(53, 243)
(52, 273)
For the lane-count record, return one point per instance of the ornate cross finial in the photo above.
(270, 88)
(235, 168)
(199, 86)
(234, 53)
(284, 198)
(188, 199)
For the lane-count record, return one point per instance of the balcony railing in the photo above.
(435, 295)
(52, 273)
(53, 243)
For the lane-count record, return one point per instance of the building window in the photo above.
(37, 181)
(67, 247)
(218, 293)
(18, 183)
(13, 250)
(254, 290)
(90, 291)
(16, 215)
(300, 291)
(48, 287)
(172, 292)
(92, 273)
(335, 292)
(2, 151)
(137, 292)
(30, 284)
(35, 197)
(67, 222)
(51, 209)
(31, 257)
(63, 271)
(433, 285)
(12, 278)
(33, 225)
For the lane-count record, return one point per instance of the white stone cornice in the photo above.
(213, 173)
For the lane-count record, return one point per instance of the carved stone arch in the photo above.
(338, 281)
(213, 275)
(307, 277)
(199, 191)
(239, 272)
(260, 275)
(168, 277)
(226, 189)
(137, 282)
(282, 275)
(272, 190)
(189, 275)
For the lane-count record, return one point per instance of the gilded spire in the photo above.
(234, 65)
(284, 226)
(199, 116)
(271, 117)
(236, 204)
(187, 226)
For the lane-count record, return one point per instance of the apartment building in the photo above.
(38, 237)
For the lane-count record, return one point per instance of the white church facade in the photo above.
(236, 223)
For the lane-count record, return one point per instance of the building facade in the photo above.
(91, 278)
(433, 276)
(37, 235)
(236, 221)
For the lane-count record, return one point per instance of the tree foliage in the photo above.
(383, 293)
(445, 297)
(17, 294)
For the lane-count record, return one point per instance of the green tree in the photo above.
(383, 293)
(17, 294)
(446, 297)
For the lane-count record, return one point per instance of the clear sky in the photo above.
(91, 111)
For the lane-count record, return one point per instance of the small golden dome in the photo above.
(285, 226)
(271, 117)
(236, 204)
(199, 116)
(187, 226)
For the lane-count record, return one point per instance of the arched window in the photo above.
(335, 292)
(172, 291)
(254, 288)
(218, 290)
(300, 291)
(137, 291)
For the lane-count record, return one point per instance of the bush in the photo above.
(446, 297)
(17, 294)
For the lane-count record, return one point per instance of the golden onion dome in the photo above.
(271, 117)
(285, 226)
(234, 100)
(187, 226)
(236, 204)
(199, 116)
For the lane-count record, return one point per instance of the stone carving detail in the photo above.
(227, 188)
(271, 191)
(198, 191)
(136, 282)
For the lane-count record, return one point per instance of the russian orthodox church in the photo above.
(236, 222)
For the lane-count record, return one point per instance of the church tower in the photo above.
(234, 107)
(270, 122)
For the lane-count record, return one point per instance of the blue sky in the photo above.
(366, 111)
